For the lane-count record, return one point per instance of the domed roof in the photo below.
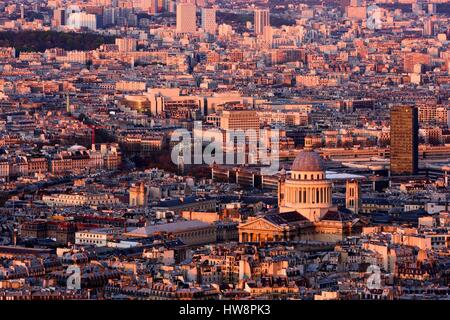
(307, 160)
(76, 148)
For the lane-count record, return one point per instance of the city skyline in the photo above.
(225, 151)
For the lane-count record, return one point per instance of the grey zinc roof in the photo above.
(170, 227)
(307, 161)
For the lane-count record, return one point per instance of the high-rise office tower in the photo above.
(126, 44)
(209, 24)
(417, 8)
(262, 19)
(242, 125)
(143, 5)
(59, 17)
(356, 10)
(240, 120)
(186, 18)
(111, 16)
(171, 6)
(428, 27)
(404, 140)
(268, 36)
(432, 8)
(151, 6)
(82, 20)
(155, 7)
(162, 5)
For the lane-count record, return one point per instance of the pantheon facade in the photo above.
(305, 209)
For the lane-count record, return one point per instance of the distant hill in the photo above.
(238, 20)
(43, 40)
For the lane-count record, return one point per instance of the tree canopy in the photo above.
(43, 40)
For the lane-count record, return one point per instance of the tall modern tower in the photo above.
(148, 5)
(262, 19)
(428, 27)
(186, 18)
(404, 140)
(59, 17)
(209, 24)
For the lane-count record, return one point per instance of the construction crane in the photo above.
(93, 127)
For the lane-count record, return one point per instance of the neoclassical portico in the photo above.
(305, 208)
(261, 230)
(275, 227)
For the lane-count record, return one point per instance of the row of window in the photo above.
(318, 176)
(90, 241)
(308, 195)
(196, 233)
(90, 235)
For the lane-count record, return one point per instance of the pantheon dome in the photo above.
(307, 160)
(307, 190)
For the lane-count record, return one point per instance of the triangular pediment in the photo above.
(358, 223)
(260, 224)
